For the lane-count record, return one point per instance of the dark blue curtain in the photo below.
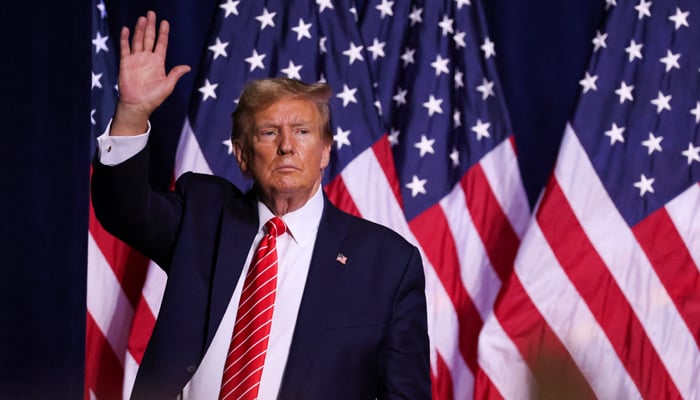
(542, 51)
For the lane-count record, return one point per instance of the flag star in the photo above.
(461, 3)
(407, 56)
(680, 18)
(610, 3)
(643, 9)
(662, 102)
(459, 78)
(653, 143)
(454, 156)
(400, 97)
(481, 129)
(219, 48)
(425, 145)
(96, 80)
(302, 30)
(348, 95)
(459, 39)
(394, 137)
(693, 153)
(625, 92)
(378, 106)
(417, 186)
(615, 134)
(634, 50)
(457, 118)
(486, 89)
(588, 82)
(377, 49)
(322, 44)
(671, 60)
(440, 65)
(385, 8)
(353, 11)
(354, 53)
(341, 137)
(696, 111)
(92, 116)
(231, 7)
(433, 105)
(266, 19)
(644, 185)
(488, 48)
(599, 41)
(103, 9)
(292, 71)
(415, 15)
(255, 61)
(208, 90)
(324, 4)
(100, 43)
(446, 25)
(229, 145)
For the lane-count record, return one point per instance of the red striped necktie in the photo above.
(246, 355)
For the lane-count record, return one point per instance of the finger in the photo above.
(150, 34)
(162, 43)
(124, 42)
(137, 40)
(175, 74)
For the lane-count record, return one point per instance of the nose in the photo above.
(285, 144)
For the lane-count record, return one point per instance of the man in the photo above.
(346, 317)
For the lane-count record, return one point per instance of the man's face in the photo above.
(287, 151)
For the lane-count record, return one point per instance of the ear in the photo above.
(326, 156)
(240, 156)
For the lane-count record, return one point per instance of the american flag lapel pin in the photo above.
(341, 258)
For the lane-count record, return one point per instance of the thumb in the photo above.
(175, 74)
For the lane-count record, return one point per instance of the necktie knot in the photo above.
(275, 226)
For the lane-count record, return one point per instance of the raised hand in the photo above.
(143, 83)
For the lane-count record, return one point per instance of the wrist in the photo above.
(129, 120)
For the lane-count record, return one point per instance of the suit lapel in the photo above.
(325, 273)
(239, 224)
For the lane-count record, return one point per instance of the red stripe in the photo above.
(442, 381)
(433, 234)
(141, 329)
(129, 266)
(499, 239)
(385, 157)
(484, 387)
(673, 264)
(103, 370)
(339, 195)
(590, 275)
(544, 353)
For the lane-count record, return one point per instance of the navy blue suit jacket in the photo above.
(361, 332)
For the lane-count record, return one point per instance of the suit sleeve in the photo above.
(127, 207)
(404, 360)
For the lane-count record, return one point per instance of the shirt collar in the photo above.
(302, 224)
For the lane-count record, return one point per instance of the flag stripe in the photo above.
(103, 370)
(684, 211)
(442, 381)
(589, 274)
(673, 264)
(627, 263)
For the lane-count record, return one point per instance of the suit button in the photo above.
(191, 369)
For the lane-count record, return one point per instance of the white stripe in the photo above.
(374, 198)
(477, 273)
(568, 315)
(684, 211)
(628, 264)
(131, 367)
(189, 156)
(501, 168)
(502, 363)
(106, 302)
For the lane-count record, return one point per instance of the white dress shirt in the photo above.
(294, 251)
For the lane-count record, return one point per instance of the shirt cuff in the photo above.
(113, 150)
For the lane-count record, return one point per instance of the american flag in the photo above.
(606, 290)
(422, 144)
